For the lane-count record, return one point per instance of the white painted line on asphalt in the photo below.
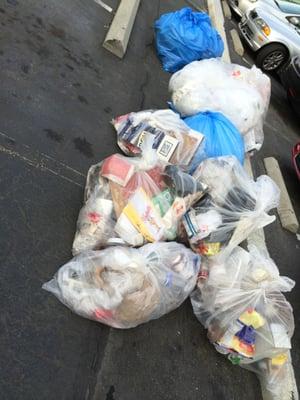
(105, 6)
(217, 18)
(285, 209)
(237, 44)
(117, 37)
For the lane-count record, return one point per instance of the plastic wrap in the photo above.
(133, 201)
(240, 93)
(221, 138)
(173, 140)
(184, 36)
(124, 287)
(234, 206)
(240, 301)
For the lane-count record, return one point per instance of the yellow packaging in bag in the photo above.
(143, 215)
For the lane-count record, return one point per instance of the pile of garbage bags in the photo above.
(164, 221)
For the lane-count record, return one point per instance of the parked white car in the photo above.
(271, 28)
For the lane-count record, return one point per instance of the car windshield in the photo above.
(289, 6)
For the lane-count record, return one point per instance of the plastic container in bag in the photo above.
(133, 201)
(234, 206)
(240, 301)
(240, 93)
(184, 36)
(173, 141)
(221, 138)
(124, 287)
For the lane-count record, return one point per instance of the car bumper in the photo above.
(252, 35)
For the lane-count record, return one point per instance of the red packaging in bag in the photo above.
(117, 169)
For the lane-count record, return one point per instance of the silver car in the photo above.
(240, 7)
(272, 30)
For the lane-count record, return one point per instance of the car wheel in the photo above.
(272, 56)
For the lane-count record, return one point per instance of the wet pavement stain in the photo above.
(2, 11)
(65, 48)
(51, 134)
(12, 2)
(82, 99)
(39, 38)
(70, 57)
(10, 141)
(70, 67)
(110, 393)
(25, 68)
(43, 52)
(57, 32)
(83, 146)
(39, 21)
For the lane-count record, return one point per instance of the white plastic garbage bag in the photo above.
(234, 206)
(124, 287)
(240, 301)
(240, 93)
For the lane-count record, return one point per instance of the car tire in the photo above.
(272, 57)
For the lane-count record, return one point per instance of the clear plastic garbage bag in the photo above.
(173, 140)
(124, 287)
(240, 93)
(133, 201)
(276, 376)
(234, 206)
(184, 36)
(239, 301)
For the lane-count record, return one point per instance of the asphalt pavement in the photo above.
(59, 91)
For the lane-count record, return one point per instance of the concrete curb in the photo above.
(117, 37)
(285, 209)
(216, 14)
(237, 44)
(226, 9)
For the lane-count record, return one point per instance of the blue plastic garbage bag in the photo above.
(221, 137)
(184, 36)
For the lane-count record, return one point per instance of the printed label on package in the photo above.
(167, 147)
(190, 224)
